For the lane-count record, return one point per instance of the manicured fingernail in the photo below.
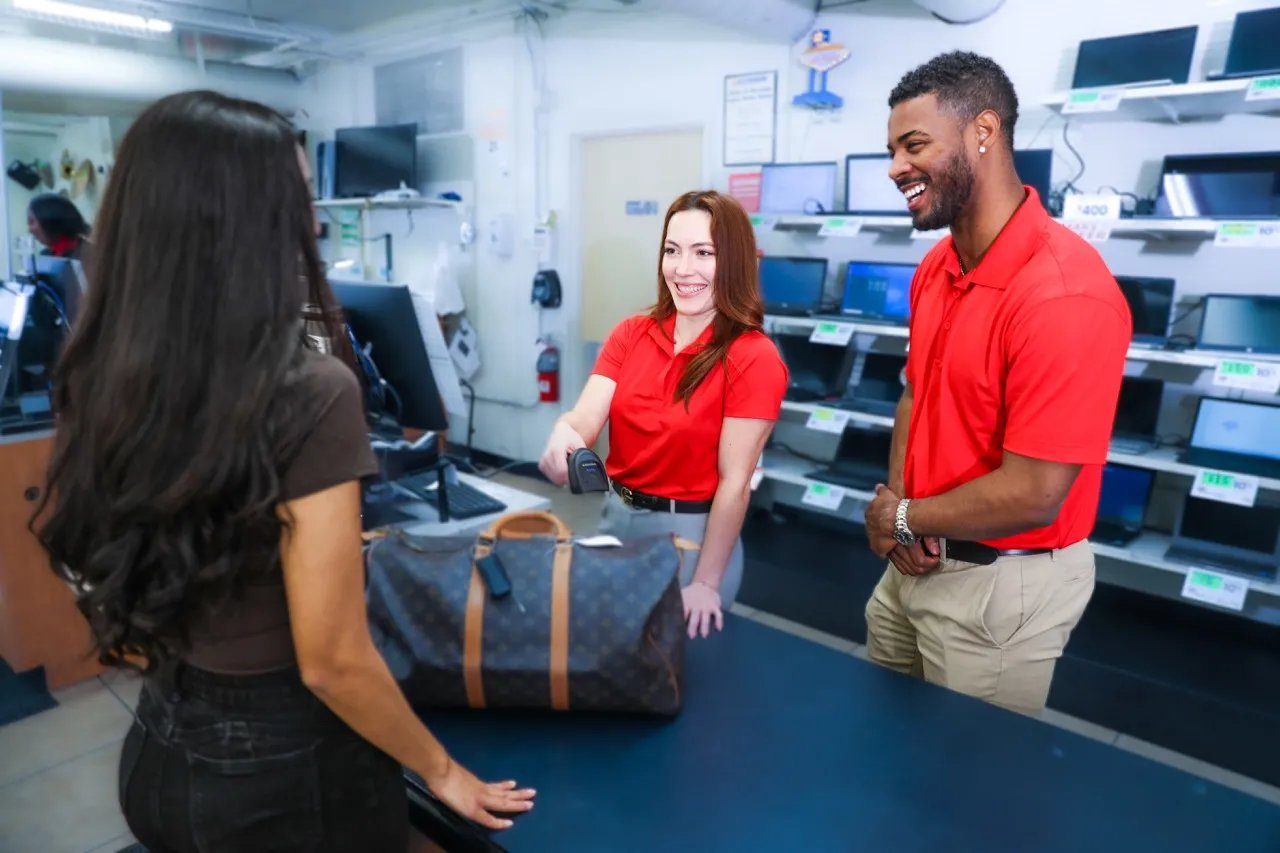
(506, 823)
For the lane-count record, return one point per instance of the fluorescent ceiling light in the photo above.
(75, 14)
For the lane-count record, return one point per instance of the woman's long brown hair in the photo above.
(735, 291)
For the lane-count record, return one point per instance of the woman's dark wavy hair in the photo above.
(175, 417)
(58, 216)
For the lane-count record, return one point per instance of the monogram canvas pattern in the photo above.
(626, 637)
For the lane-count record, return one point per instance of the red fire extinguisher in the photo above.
(549, 374)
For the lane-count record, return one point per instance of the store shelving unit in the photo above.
(418, 203)
(1198, 101)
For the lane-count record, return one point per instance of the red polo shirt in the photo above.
(1025, 354)
(655, 446)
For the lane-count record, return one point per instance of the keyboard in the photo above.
(862, 481)
(1222, 562)
(464, 501)
(884, 408)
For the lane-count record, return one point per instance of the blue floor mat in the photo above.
(22, 695)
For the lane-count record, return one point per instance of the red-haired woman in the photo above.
(691, 391)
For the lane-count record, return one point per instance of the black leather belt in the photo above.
(640, 500)
(984, 555)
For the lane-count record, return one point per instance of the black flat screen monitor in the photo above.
(1245, 539)
(798, 188)
(1235, 323)
(1151, 306)
(881, 378)
(371, 160)
(878, 291)
(792, 285)
(1222, 186)
(1163, 56)
(817, 371)
(1125, 493)
(1138, 409)
(865, 446)
(385, 325)
(1034, 166)
(868, 189)
(1255, 44)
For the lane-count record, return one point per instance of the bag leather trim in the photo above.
(560, 626)
(473, 634)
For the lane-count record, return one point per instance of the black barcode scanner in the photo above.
(586, 472)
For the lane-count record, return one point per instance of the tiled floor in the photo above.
(58, 768)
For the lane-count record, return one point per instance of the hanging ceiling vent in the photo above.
(961, 11)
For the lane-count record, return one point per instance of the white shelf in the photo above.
(1189, 101)
(386, 203)
(1136, 228)
(1166, 459)
(854, 417)
(773, 321)
(785, 468)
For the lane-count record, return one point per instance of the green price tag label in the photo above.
(1206, 580)
(1213, 478)
(1238, 229)
(819, 489)
(828, 328)
(1267, 83)
(823, 414)
(835, 223)
(1083, 97)
(1239, 368)
(756, 220)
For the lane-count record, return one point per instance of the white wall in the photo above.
(618, 73)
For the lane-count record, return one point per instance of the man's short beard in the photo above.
(951, 187)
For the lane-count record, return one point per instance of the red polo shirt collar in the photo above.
(663, 332)
(1009, 253)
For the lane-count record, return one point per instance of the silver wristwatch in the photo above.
(900, 530)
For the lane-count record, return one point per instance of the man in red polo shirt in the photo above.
(1018, 341)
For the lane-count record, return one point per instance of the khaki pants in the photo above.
(994, 632)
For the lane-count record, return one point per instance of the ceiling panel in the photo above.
(337, 16)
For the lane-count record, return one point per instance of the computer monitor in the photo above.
(868, 189)
(1122, 503)
(371, 160)
(792, 285)
(881, 378)
(1235, 435)
(65, 276)
(817, 371)
(1235, 323)
(384, 323)
(1034, 167)
(1138, 408)
(14, 301)
(868, 446)
(1240, 539)
(798, 188)
(1222, 186)
(1151, 306)
(1255, 44)
(1163, 56)
(878, 291)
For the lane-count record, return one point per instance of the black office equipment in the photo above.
(1222, 186)
(587, 472)
(792, 286)
(1242, 540)
(878, 292)
(861, 460)
(1152, 58)
(1122, 504)
(798, 188)
(547, 292)
(1235, 435)
(1137, 415)
(385, 325)
(868, 189)
(1254, 50)
(1232, 322)
(371, 160)
(1151, 307)
(877, 386)
(1035, 168)
(817, 371)
(450, 499)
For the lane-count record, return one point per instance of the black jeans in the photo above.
(249, 764)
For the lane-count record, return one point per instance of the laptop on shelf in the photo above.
(817, 371)
(877, 293)
(1231, 322)
(1122, 504)
(1151, 306)
(798, 188)
(1237, 539)
(868, 189)
(1254, 50)
(877, 386)
(1035, 168)
(1160, 57)
(1236, 436)
(792, 286)
(861, 460)
(1235, 186)
(1137, 415)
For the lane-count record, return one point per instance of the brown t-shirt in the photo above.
(250, 633)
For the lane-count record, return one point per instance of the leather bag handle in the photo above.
(523, 525)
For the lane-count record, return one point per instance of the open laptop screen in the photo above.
(879, 291)
(1255, 44)
(1243, 186)
(1238, 323)
(1151, 306)
(798, 188)
(1138, 409)
(1163, 56)
(1125, 491)
(792, 284)
(868, 189)
(1237, 427)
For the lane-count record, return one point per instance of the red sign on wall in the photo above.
(745, 187)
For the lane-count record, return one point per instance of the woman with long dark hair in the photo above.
(57, 224)
(204, 498)
(691, 391)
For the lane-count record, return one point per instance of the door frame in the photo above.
(574, 370)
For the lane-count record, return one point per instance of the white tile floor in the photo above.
(58, 768)
(58, 775)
